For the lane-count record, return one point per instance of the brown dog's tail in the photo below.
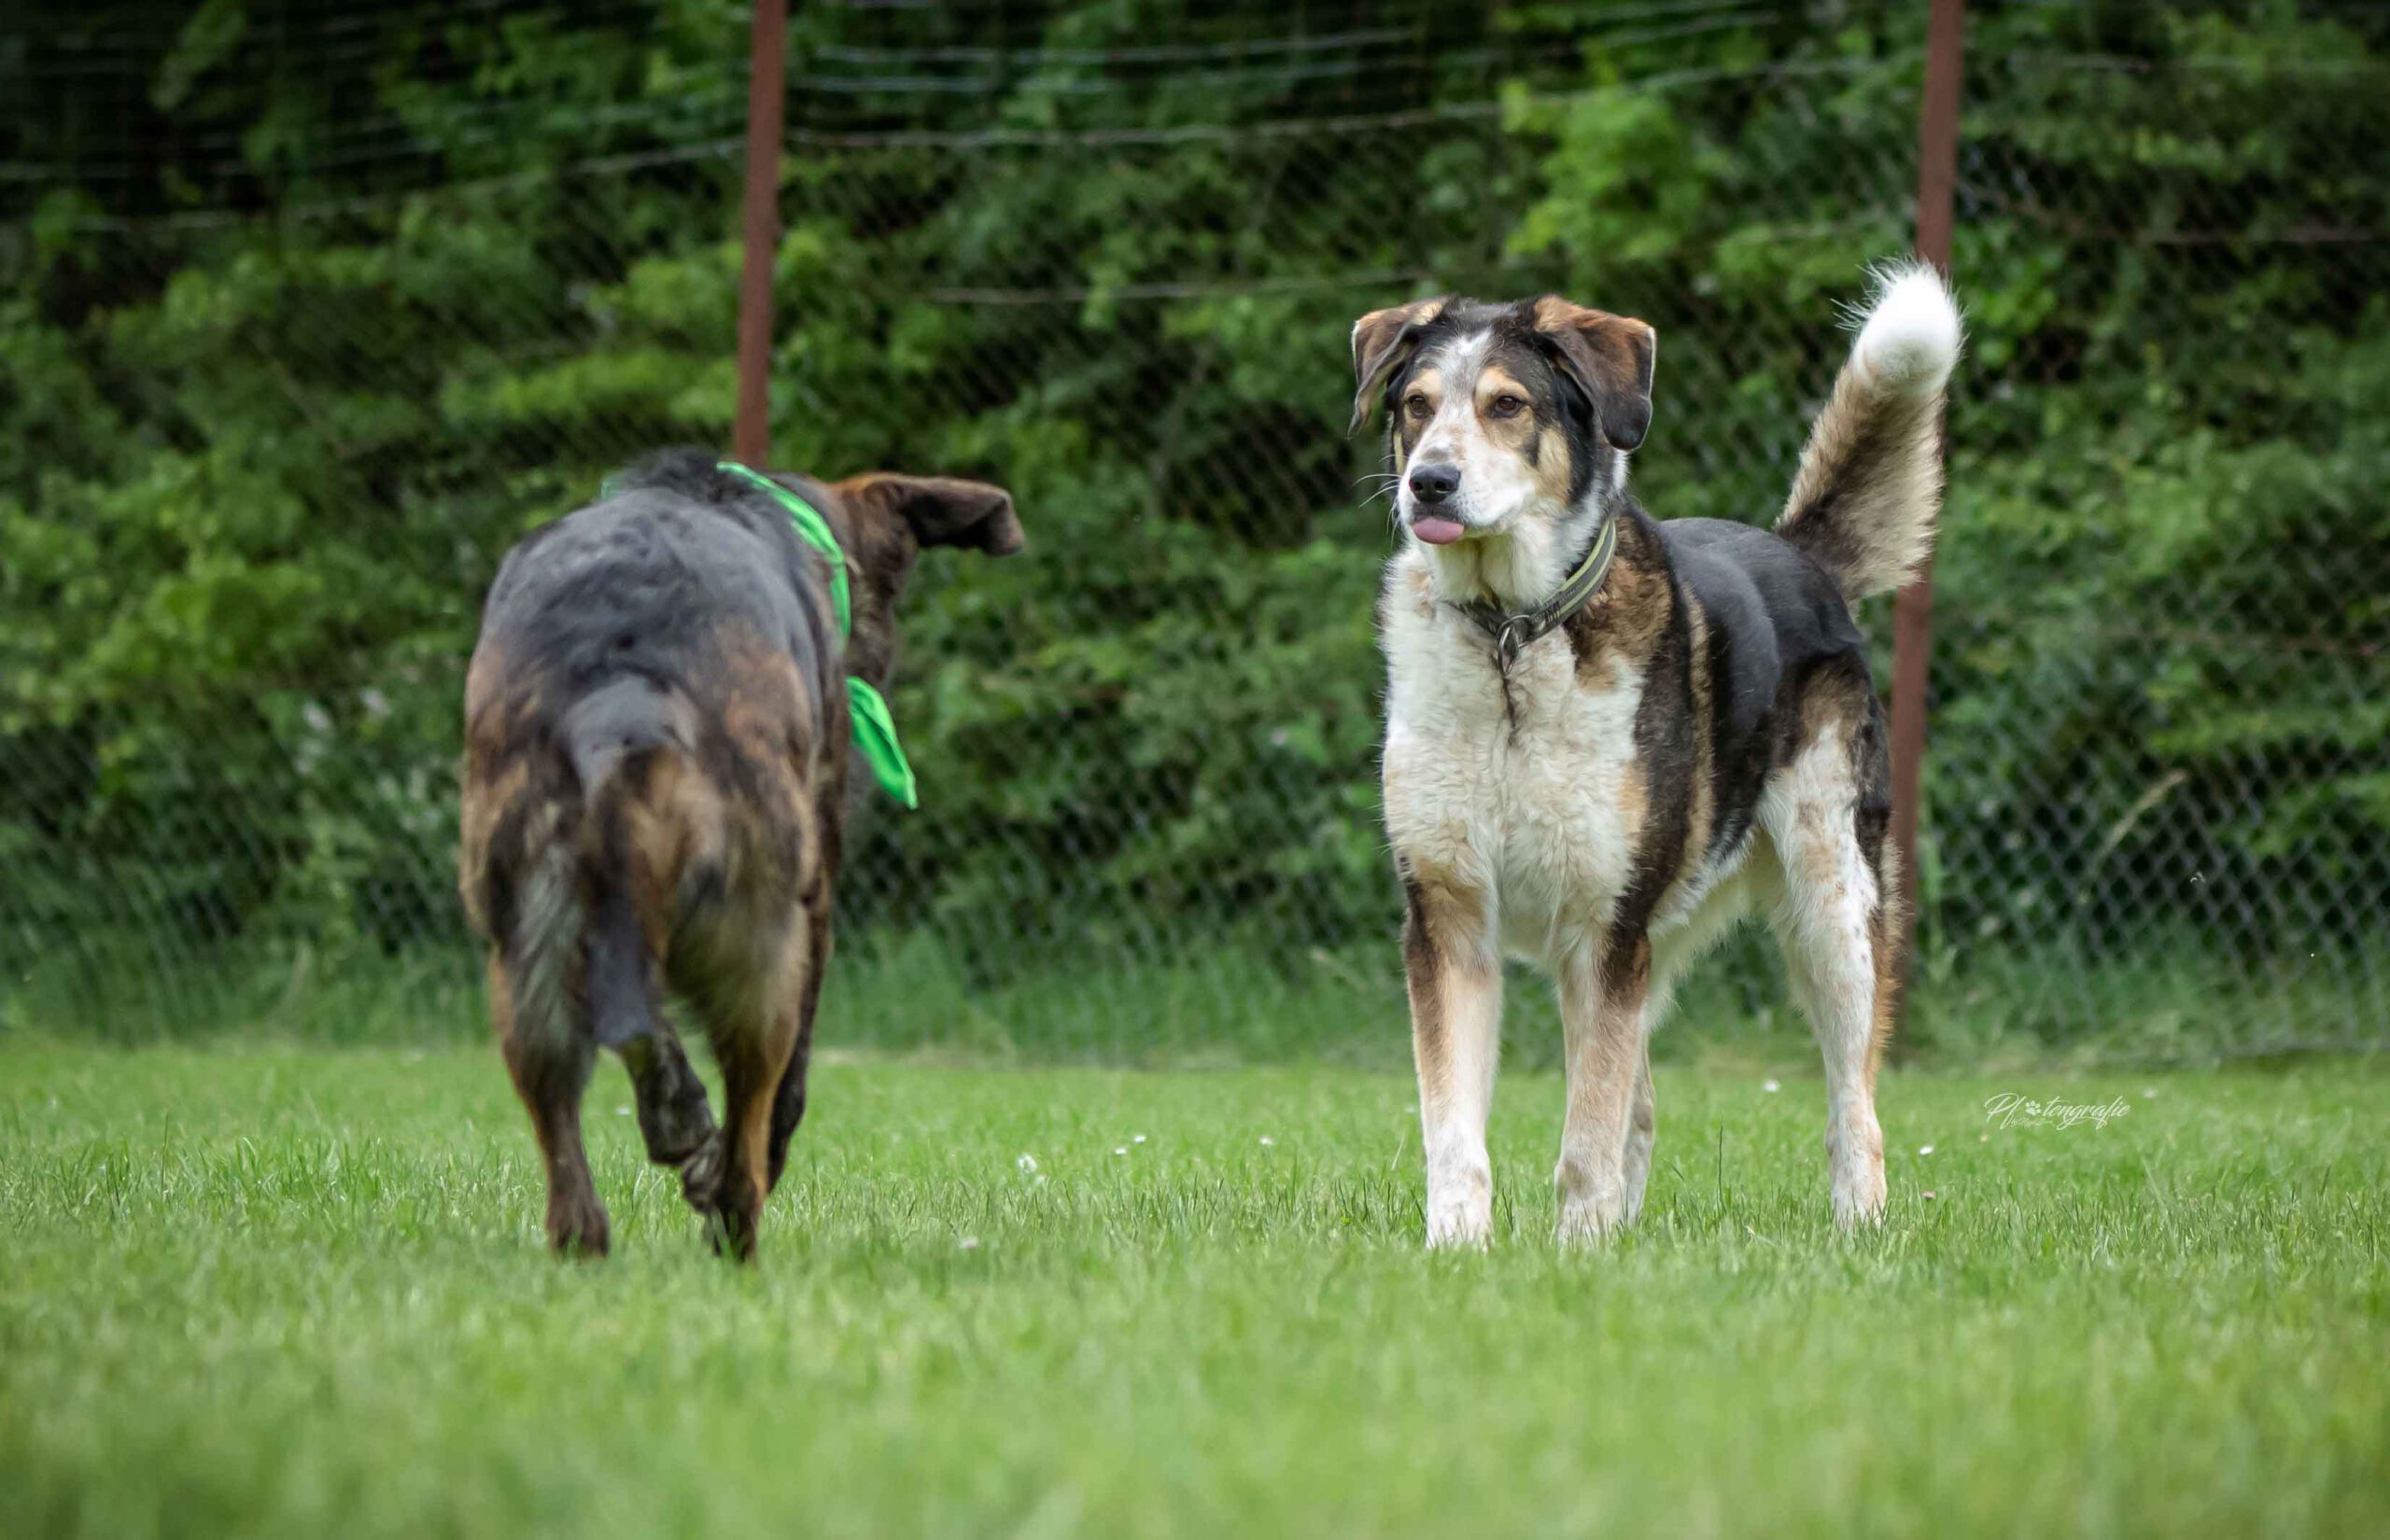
(1870, 484)
(628, 744)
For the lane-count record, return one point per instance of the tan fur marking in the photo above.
(1428, 386)
(484, 803)
(1881, 455)
(1455, 909)
(1455, 985)
(1555, 463)
(1437, 958)
(1376, 350)
(1634, 803)
(676, 821)
(1614, 355)
(1522, 431)
(1885, 931)
(481, 677)
(1701, 821)
(1427, 951)
(1623, 623)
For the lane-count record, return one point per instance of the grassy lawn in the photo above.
(292, 1292)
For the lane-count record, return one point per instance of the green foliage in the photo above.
(275, 409)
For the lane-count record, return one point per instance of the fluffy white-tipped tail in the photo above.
(1869, 482)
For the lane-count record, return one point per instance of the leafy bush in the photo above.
(304, 343)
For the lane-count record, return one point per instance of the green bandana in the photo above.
(874, 726)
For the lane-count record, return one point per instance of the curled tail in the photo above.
(1870, 482)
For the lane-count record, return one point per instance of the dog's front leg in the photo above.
(1454, 976)
(1602, 996)
(1642, 1125)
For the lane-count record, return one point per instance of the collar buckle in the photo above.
(1509, 642)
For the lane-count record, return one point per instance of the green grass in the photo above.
(300, 1293)
(1226, 1003)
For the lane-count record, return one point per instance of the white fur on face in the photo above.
(1496, 487)
(1521, 538)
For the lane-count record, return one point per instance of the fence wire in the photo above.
(280, 396)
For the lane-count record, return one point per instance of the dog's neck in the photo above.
(1520, 569)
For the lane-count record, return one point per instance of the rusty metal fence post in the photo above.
(1937, 168)
(752, 431)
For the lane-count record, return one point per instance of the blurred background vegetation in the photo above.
(308, 313)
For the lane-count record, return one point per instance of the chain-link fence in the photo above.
(285, 381)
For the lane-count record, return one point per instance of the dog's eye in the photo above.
(1507, 406)
(1415, 404)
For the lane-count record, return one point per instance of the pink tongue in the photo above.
(1437, 531)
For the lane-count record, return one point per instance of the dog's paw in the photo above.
(1855, 1161)
(1596, 1200)
(1589, 1223)
(1860, 1205)
(1460, 1205)
(577, 1226)
(1459, 1234)
(1460, 1224)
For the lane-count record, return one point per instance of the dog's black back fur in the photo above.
(1776, 621)
(639, 585)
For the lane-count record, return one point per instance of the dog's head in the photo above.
(885, 519)
(1507, 420)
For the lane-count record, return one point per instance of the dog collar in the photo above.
(874, 725)
(1515, 631)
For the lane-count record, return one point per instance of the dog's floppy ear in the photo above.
(1609, 357)
(1381, 340)
(944, 510)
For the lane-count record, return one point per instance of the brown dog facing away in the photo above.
(658, 737)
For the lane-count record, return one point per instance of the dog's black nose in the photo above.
(1433, 484)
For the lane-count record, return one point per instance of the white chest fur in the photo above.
(1534, 807)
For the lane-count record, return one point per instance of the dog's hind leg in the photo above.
(549, 1059)
(1831, 925)
(750, 1088)
(729, 1177)
(755, 1026)
(788, 1105)
(1835, 982)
